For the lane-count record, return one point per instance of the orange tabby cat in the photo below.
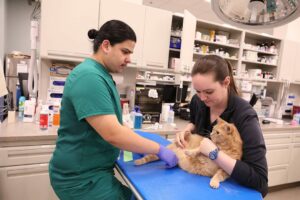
(224, 135)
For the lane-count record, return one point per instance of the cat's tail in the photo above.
(146, 159)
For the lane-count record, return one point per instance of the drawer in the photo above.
(297, 138)
(278, 138)
(278, 154)
(278, 175)
(10, 156)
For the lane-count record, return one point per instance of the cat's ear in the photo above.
(228, 128)
(220, 120)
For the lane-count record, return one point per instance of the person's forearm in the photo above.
(225, 162)
(126, 139)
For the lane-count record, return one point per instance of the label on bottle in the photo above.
(43, 121)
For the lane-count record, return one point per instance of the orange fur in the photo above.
(224, 135)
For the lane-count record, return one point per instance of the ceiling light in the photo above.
(256, 13)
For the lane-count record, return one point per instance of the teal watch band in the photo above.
(213, 155)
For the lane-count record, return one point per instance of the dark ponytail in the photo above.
(217, 65)
(114, 31)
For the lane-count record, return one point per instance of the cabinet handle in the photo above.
(278, 167)
(67, 54)
(29, 152)
(28, 170)
(277, 147)
(155, 65)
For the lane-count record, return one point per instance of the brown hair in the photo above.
(217, 65)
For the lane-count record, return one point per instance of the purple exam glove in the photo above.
(168, 156)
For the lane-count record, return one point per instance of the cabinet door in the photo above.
(26, 182)
(64, 27)
(294, 167)
(130, 13)
(187, 41)
(296, 66)
(278, 154)
(288, 57)
(278, 175)
(156, 38)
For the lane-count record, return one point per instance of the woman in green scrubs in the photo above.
(91, 133)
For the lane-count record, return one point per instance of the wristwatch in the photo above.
(213, 154)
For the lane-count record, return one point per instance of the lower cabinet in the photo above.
(28, 182)
(24, 173)
(283, 153)
(294, 167)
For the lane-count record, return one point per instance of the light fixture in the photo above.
(256, 13)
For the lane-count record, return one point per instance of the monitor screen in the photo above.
(171, 93)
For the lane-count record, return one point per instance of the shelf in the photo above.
(264, 52)
(172, 49)
(173, 35)
(255, 62)
(258, 79)
(218, 44)
(156, 80)
(204, 54)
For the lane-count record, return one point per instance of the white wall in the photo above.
(18, 26)
(2, 28)
(290, 31)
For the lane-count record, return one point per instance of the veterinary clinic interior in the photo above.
(152, 93)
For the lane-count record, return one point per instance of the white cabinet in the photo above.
(156, 38)
(64, 27)
(26, 182)
(24, 173)
(187, 41)
(283, 152)
(294, 174)
(130, 13)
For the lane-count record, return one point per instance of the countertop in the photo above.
(20, 131)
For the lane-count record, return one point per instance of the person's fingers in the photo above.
(183, 142)
(178, 140)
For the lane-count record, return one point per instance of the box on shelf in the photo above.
(174, 63)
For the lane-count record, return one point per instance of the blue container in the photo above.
(138, 119)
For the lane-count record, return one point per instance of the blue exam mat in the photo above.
(154, 181)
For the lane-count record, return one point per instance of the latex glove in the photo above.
(167, 156)
(180, 138)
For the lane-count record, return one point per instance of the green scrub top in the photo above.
(82, 163)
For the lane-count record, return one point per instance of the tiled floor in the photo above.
(292, 193)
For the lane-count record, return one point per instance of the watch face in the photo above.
(213, 154)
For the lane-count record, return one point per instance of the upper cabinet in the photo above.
(151, 25)
(64, 27)
(181, 42)
(289, 69)
(156, 38)
(130, 13)
(187, 43)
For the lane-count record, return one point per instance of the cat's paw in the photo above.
(214, 184)
(138, 162)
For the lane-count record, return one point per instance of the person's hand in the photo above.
(167, 156)
(180, 138)
(206, 146)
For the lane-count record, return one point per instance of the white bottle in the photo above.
(29, 109)
(171, 115)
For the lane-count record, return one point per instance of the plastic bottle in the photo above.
(138, 118)
(132, 116)
(29, 110)
(56, 114)
(171, 115)
(21, 107)
(37, 111)
(44, 115)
